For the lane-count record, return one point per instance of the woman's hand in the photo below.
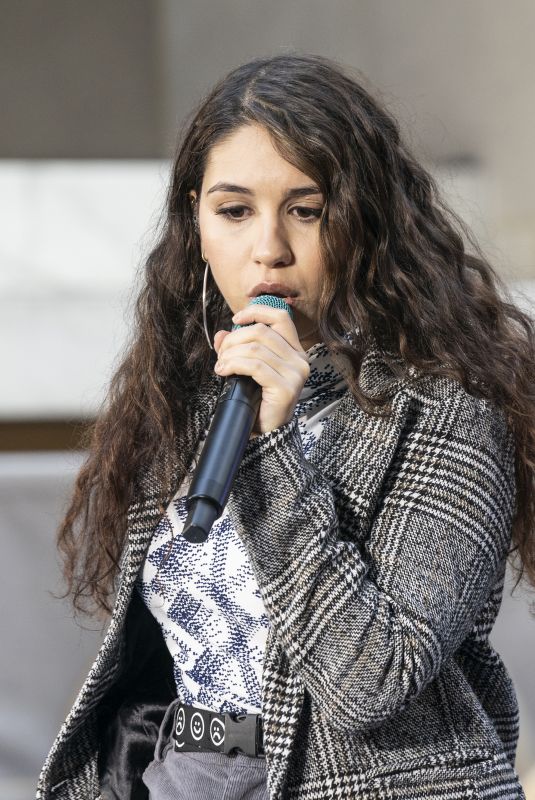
(270, 352)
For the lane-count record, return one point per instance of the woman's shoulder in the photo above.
(439, 401)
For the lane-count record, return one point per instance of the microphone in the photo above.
(233, 420)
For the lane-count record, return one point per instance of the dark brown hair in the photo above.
(399, 265)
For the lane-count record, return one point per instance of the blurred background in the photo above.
(92, 97)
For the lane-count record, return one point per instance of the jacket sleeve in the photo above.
(367, 624)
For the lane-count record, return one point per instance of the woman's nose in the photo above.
(271, 245)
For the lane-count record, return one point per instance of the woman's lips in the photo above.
(273, 287)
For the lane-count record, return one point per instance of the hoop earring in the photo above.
(205, 281)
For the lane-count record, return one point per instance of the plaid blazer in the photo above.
(380, 559)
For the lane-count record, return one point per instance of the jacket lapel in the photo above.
(356, 498)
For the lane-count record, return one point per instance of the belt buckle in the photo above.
(240, 730)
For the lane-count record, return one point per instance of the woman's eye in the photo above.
(311, 214)
(230, 211)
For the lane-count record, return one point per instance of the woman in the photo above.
(335, 623)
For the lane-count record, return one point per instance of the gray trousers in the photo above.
(172, 775)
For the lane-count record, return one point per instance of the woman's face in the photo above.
(255, 230)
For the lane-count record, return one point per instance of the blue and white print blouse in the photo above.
(205, 595)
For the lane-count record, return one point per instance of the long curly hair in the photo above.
(399, 264)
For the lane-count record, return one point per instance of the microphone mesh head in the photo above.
(268, 300)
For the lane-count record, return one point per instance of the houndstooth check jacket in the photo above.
(380, 558)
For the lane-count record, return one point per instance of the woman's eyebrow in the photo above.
(298, 191)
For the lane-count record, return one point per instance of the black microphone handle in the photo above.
(230, 429)
(221, 455)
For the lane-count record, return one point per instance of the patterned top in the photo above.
(205, 595)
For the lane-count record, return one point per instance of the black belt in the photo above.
(197, 729)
